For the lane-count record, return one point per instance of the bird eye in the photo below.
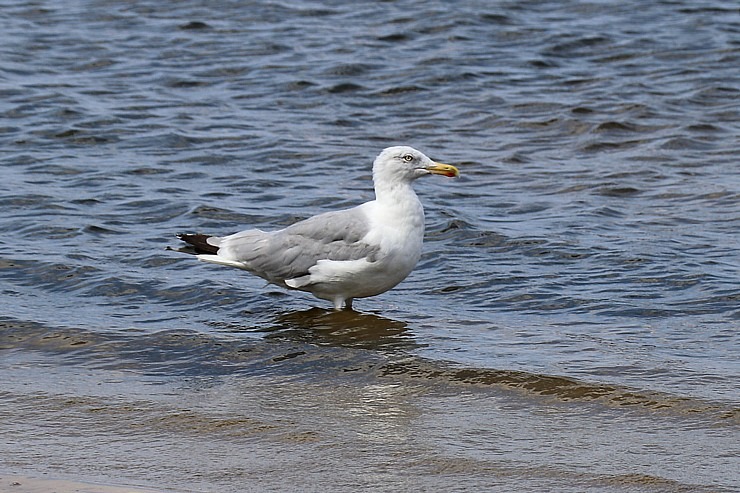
(408, 158)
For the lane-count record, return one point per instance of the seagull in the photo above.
(339, 255)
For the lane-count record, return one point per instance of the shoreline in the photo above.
(19, 483)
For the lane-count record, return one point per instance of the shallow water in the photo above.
(573, 323)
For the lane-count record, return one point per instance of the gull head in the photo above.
(405, 164)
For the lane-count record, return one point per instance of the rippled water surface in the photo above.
(572, 325)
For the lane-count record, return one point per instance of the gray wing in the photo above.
(291, 252)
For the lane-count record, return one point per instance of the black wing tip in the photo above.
(198, 242)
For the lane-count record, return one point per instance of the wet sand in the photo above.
(23, 484)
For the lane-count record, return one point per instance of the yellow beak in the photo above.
(443, 169)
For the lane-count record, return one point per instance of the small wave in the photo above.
(325, 344)
(558, 387)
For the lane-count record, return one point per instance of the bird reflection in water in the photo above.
(344, 328)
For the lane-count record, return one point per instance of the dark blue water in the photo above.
(573, 322)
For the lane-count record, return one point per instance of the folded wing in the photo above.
(290, 253)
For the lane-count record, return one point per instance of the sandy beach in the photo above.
(23, 484)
